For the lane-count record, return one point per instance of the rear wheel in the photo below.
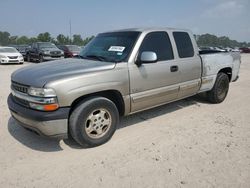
(220, 89)
(94, 121)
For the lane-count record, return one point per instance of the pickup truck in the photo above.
(117, 74)
(43, 51)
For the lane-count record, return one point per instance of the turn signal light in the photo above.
(44, 107)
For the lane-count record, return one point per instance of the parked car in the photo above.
(70, 50)
(23, 50)
(207, 50)
(44, 51)
(118, 73)
(245, 50)
(10, 55)
(219, 49)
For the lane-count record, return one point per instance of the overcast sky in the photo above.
(88, 17)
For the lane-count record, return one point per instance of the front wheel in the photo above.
(40, 60)
(220, 89)
(93, 122)
(28, 58)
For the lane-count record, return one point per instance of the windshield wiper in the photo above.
(97, 57)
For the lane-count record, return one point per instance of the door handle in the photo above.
(174, 68)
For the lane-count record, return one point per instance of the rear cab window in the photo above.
(159, 43)
(184, 44)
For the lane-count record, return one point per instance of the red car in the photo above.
(70, 50)
(245, 50)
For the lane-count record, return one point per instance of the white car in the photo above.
(10, 55)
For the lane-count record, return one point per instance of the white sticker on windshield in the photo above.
(116, 48)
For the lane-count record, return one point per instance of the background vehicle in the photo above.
(70, 50)
(23, 50)
(245, 50)
(118, 73)
(43, 51)
(10, 55)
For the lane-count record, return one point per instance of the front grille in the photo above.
(55, 53)
(12, 57)
(19, 87)
(21, 101)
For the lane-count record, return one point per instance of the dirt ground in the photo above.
(189, 143)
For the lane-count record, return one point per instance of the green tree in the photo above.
(87, 40)
(23, 40)
(4, 38)
(77, 40)
(33, 39)
(44, 37)
(61, 39)
(13, 39)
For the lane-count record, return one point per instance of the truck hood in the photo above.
(39, 75)
(50, 49)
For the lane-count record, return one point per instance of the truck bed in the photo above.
(213, 62)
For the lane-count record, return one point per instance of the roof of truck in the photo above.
(150, 29)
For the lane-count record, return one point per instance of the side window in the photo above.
(184, 44)
(159, 43)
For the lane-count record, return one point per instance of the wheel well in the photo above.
(113, 95)
(227, 71)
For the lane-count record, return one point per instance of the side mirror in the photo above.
(146, 57)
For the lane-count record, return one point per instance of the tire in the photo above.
(93, 122)
(28, 58)
(220, 89)
(40, 60)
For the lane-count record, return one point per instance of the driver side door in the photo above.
(152, 84)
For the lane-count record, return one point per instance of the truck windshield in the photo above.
(110, 47)
(46, 45)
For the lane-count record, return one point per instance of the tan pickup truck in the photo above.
(118, 73)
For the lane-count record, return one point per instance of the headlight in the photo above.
(41, 92)
(46, 52)
(3, 56)
(45, 99)
(20, 57)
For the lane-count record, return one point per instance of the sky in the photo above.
(89, 17)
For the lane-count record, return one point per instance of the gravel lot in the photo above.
(189, 143)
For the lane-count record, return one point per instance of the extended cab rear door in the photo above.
(34, 50)
(152, 84)
(189, 63)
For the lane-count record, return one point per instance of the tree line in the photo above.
(202, 40)
(214, 41)
(7, 39)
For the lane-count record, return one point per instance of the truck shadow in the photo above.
(39, 143)
(32, 140)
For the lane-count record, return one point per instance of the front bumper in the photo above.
(7, 60)
(50, 124)
(49, 58)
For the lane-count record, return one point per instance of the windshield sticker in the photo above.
(119, 53)
(116, 48)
